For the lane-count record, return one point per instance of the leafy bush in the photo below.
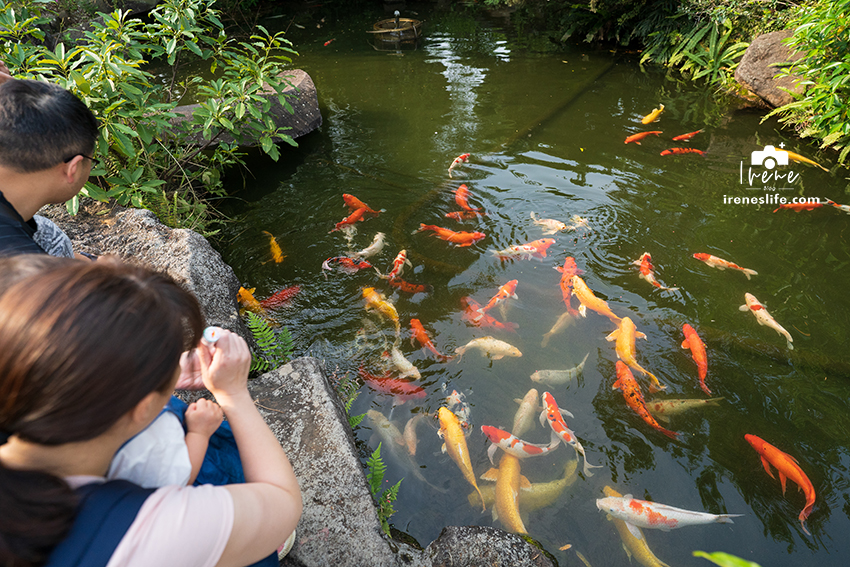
(823, 112)
(275, 349)
(148, 161)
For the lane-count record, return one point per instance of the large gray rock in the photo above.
(137, 237)
(301, 94)
(758, 69)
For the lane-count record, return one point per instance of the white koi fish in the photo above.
(764, 318)
(565, 320)
(652, 515)
(404, 366)
(556, 377)
(550, 226)
(534, 249)
(374, 248)
(494, 348)
(721, 264)
(524, 417)
(515, 446)
(457, 404)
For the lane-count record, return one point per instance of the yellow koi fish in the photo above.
(377, 301)
(277, 253)
(455, 445)
(246, 298)
(632, 544)
(625, 346)
(536, 495)
(800, 159)
(653, 116)
(509, 481)
(663, 410)
(590, 301)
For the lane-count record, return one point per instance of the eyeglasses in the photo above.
(94, 161)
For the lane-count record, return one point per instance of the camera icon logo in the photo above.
(769, 157)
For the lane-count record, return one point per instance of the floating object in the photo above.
(395, 30)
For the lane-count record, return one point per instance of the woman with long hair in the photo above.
(89, 355)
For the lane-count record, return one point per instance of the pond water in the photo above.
(545, 128)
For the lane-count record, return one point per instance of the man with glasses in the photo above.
(47, 137)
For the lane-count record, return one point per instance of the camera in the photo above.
(769, 157)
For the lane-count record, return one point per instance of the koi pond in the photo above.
(545, 129)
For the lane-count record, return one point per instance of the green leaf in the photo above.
(725, 559)
(72, 205)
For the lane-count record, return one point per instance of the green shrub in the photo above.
(147, 160)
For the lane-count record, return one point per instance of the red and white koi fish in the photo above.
(534, 249)
(457, 404)
(418, 333)
(627, 384)
(569, 270)
(636, 138)
(462, 198)
(797, 207)
(787, 467)
(465, 215)
(472, 314)
(398, 265)
(652, 515)
(349, 221)
(550, 226)
(374, 248)
(721, 264)
(653, 116)
(679, 151)
(688, 136)
(457, 161)
(460, 239)
(645, 263)
(697, 348)
(281, 297)
(328, 42)
(845, 208)
(764, 318)
(353, 203)
(507, 291)
(401, 390)
(346, 265)
(555, 417)
(409, 287)
(515, 446)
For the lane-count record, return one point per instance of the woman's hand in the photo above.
(225, 364)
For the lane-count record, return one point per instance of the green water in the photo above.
(545, 129)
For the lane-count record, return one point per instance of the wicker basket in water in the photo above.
(397, 29)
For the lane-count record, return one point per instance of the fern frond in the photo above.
(375, 469)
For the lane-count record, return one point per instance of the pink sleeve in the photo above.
(178, 525)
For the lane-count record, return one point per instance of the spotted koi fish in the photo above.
(627, 384)
(679, 151)
(515, 446)
(457, 161)
(555, 417)
(652, 515)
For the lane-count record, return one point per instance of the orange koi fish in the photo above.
(349, 221)
(346, 265)
(353, 203)
(402, 390)
(627, 384)
(507, 291)
(645, 263)
(678, 151)
(787, 467)
(534, 249)
(625, 336)
(462, 198)
(277, 253)
(590, 301)
(457, 161)
(280, 297)
(688, 136)
(418, 333)
(246, 298)
(473, 315)
(797, 207)
(721, 264)
(515, 446)
(460, 239)
(328, 42)
(398, 265)
(693, 342)
(636, 138)
(555, 417)
(653, 116)
(569, 270)
(465, 215)
(408, 287)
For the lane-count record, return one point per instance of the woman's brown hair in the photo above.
(80, 345)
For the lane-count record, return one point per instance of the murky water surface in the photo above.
(545, 130)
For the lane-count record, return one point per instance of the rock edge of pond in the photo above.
(339, 526)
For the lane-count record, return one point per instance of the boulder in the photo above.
(301, 94)
(758, 69)
(136, 236)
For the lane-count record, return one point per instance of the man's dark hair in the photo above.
(41, 125)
